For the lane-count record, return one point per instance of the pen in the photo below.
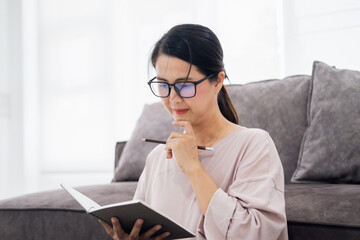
(163, 142)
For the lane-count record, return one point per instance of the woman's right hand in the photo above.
(117, 233)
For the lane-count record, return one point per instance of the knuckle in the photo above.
(178, 144)
(110, 233)
(114, 236)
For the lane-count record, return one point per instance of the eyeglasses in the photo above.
(184, 89)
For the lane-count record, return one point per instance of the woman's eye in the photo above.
(183, 85)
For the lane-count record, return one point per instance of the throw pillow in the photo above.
(330, 150)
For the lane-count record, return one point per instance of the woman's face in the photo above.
(195, 109)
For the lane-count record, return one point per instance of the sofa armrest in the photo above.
(118, 150)
(56, 215)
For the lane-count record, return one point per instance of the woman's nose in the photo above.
(174, 96)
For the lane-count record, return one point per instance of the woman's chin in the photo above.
(179, 118)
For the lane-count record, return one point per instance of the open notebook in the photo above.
(128, 212)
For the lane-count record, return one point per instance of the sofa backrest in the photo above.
(277, 106)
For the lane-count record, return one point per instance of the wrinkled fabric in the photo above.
(249, 203)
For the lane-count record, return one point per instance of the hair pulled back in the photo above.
(199, 46)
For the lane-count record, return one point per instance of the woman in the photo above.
(235, 191)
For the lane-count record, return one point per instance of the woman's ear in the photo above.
(220, 81)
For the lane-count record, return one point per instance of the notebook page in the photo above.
(84, 201)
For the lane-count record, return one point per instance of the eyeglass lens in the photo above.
(184, 89)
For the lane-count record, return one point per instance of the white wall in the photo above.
(4, 94)
(11, 105)
(251, 37)
(325, 30)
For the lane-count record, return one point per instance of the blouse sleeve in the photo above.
(140, 188)
(254, 205)
(143, 184)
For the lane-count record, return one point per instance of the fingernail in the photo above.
(166, 234)
(139, 222)
(113, 220)
(158, 227)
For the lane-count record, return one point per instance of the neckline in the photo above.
(216, 145)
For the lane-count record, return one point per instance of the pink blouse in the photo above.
(249, 203)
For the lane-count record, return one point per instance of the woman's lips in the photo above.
(180, 111)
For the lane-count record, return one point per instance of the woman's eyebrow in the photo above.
(176, 80)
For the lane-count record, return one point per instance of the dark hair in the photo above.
(199, 46)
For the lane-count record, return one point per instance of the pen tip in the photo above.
(143, 139)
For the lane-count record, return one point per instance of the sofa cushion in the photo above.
(154, 122)
(330, 149)
(326, 204)
(301, 231)
(53, 214)
(279, 107)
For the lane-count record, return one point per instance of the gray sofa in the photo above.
(314, 122)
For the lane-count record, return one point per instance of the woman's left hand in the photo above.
(183, 146)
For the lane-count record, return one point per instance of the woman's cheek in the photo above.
(166, 104)
(200, 91)
(202, 95)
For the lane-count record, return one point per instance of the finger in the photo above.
(107, 227)
(174, 142)
(177, 139)
(136, 228)
(162, 236)
(170, 142)
(151, 231)
(175, 135)
(117, 229)
(168, 153)
(186, 125)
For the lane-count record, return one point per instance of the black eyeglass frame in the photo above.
(177, 90)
